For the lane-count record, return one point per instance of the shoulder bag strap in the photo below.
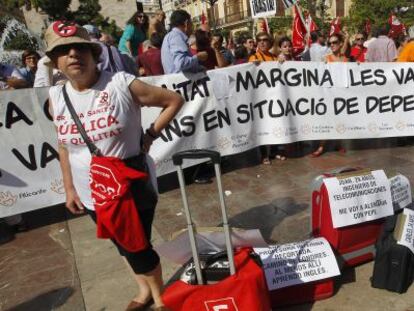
(111, 59)
(91, 146)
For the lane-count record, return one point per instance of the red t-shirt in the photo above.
(358, 53)
(151, 62)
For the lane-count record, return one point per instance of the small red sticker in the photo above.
(64, 29)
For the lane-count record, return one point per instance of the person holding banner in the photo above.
(264, 44)
(336, 42)
(108, 105)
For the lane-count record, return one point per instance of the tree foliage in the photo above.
(88, 12)
(378, 12)
(21, 41)
(55, 9)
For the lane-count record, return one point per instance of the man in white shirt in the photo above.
(317, 49)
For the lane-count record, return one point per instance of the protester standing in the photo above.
(217, 41)
(110, 59)
(336, 42)
(285, 50)
(11, 78)
(90, 90)
(264, 44)
(150, 61)
(157, 24)
(358, 51)
(30, 58)
(175, 53)
(134, 34)
(382, 49)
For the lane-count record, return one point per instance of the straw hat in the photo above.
(64, 33)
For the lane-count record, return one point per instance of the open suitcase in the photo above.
(353, 244)
(243, 287)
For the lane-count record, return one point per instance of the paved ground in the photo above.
(59, 265)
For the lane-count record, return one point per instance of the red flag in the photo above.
(309, 23)
(203, 18)
(367, 26)
(335, 26)
(298, 32)
(397, 27)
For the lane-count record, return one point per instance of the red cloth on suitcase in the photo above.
(355, 244)
(302, 293)
(244, 291)
(117, 216)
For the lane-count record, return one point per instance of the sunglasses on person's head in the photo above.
(263, 40)
(64, 49)
(334, 42)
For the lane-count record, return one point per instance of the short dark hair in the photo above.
(219, 35)
(27, 53)
(179, 18)
(338, 36)
(284, 39)
(383, 30)
(156, 39)
(241, 52)
(203, 40)
(314, 36)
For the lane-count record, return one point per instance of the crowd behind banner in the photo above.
(229, 110)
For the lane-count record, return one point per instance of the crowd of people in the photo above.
(88, 59)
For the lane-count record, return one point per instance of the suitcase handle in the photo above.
(215, 157)
(196, 154)
(316, 213)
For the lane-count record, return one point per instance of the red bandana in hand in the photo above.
(117, 216)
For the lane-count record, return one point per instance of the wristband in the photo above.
(151, 132)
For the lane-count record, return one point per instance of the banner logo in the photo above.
(57, 186)
(7, 199)
(224, 304)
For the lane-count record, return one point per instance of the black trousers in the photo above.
(143, 261)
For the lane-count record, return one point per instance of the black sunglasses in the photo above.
(140, 16)
(359, 39)
(64, 49)
(333, 42)
(263, 39)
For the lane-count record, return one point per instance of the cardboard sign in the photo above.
(296, 263)
(263, 8)
(400, 191)
(357, 199)
(406, 236)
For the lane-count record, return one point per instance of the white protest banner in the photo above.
(407, 236)
(271, 103)
(400, 191)
(357, 199)
(263, 8)
(30, 174)
(297, 263)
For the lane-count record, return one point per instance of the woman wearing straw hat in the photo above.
(108, 106)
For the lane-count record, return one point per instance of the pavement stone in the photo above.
(60, 265)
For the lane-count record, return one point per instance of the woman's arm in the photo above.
(128, 46)
(153, 96)
(73, 202)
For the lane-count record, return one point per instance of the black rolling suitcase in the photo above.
(394, 263)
